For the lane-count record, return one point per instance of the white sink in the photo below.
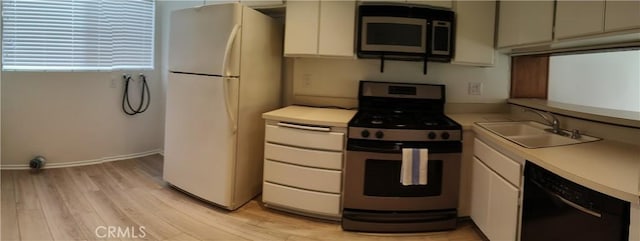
(515, 128)
(531, 134)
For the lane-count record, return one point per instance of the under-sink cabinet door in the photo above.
(494, 203)
(480, 178)
(503, 209)
(495, 192)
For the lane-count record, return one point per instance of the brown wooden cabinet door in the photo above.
(529, 76)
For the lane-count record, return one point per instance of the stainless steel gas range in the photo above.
(393, 116)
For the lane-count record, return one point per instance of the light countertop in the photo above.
(606, 166)
(312, 115)
(617, 117)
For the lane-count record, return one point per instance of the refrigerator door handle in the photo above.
(227, 49)
(227, 103)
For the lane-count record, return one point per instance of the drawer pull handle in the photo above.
(302, 127)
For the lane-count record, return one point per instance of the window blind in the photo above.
(77, 34)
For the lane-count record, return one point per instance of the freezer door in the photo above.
(200, 140)
(206, 40)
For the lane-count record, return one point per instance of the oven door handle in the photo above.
(398, 218)
(355, 147)
(567, 202)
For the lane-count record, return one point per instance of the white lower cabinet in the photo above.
(316, 179)
(303, 168)
(480, 191)
(317, 204)
(494, 198)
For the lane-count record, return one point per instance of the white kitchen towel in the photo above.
(414, 166)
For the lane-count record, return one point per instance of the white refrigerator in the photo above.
(224, 72)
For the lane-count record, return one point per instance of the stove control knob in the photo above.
(445, 135)
(379, 134)
(364, 133)
(432, 135)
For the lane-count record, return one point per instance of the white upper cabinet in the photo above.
(621, 15)
(337, 28)
(525, 22)
(320, 28)
(475, 27)
(301, 28)
(586, 18)
(551, 25)
(578, 18)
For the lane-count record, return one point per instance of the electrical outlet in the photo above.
(475, 88)
(306, 78)
(114, 83)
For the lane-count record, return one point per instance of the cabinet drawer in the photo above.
(305, 138)
(303, 177)
(301, 200)
(304, 157)
(498, 162)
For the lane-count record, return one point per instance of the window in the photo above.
(64, 35)
(609, 80)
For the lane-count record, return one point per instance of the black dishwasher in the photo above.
(555, 208)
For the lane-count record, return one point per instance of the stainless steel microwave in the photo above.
(406, 33)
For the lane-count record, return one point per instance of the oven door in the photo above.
(393, 34)
(372, 182)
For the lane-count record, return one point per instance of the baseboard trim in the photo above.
(83, 162)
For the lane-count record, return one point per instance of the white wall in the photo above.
(76, 117)
(71, 117)
(338, 78)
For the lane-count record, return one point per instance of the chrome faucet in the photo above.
(551, 120)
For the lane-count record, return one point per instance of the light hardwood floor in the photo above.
(130, 195)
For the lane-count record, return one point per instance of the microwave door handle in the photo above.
(426, 57)
(424, 66)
